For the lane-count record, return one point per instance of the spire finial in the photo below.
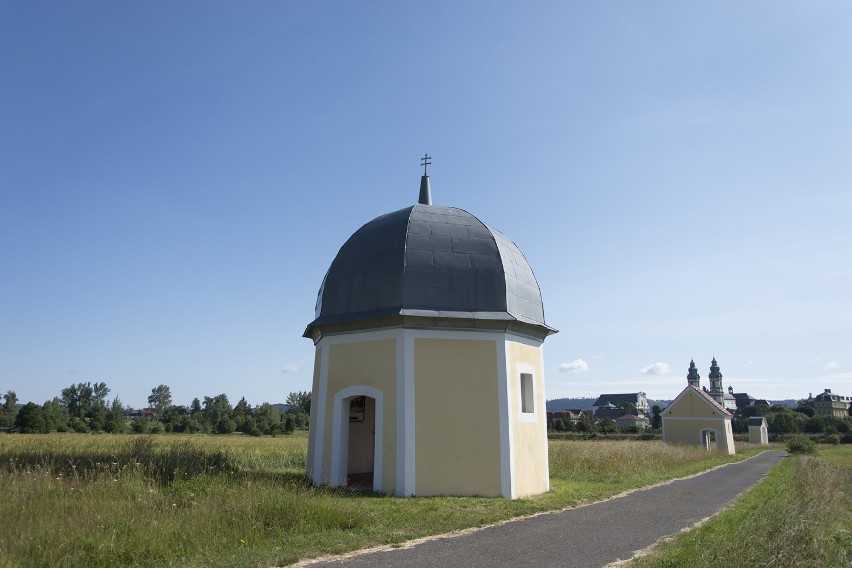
(425, 190)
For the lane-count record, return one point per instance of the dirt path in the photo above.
(591, 536)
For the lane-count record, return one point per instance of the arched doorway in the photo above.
(708, 439)
(356, 444)
(362, 442)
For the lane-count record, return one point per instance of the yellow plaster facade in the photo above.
(450, 407)
(370, 364)
(530, 468)
(456, 404)
(691, 415)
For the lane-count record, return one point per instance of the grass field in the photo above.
(799, 516)
(103, 500)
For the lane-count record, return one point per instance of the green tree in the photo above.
(656, 417)
(216, 408)
(755, 410)
(815, 425)
(269, 418)
(115, 421)
(805, 409)
(784, 423)
(76, 398)
(739, 424)
(9, 410)
(627, 408)
(587, 423)
(30, 420)
(225, 426)
(99, 392)
(55, 415)
(241, 414)
(160, 399)
(608, 426)
(186, 423)
(559, 425)
(299, 401)
(85, 400)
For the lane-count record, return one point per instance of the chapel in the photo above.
(428, 370)
(697, 416)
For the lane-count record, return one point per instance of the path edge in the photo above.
(463, 532)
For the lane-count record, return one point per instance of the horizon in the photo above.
(177, 178)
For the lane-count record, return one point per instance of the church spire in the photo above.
(693, 378)
(715, 373)
(716, 389)
(425, 190)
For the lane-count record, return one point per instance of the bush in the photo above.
(833, 439)
(801, 445)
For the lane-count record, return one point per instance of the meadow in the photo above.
(194, 500)
(799, 516)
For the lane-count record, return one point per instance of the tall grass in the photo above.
(74, 500)
(799, 516)
(629, 461)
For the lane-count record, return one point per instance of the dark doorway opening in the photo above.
(361, 443)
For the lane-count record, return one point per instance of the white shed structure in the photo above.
(758, 433)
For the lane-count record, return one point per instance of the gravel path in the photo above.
(591, 536)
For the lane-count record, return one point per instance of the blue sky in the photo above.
(175, 179)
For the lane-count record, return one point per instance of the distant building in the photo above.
(139, 413)
(608, 410)
(629, 420)
(830, 404)
(758, 433)
(693, 379)
(743, 400)
(726, 399)
(572, 415)
(637, 399)
(695, 418)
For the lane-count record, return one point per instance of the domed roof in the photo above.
(427, 261)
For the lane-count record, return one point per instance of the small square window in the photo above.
(527, 394)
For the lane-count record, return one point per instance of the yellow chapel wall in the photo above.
(457, 432)
(312, 427)
(684, 419)
(529, 438)
(371, 364)
(688, 431)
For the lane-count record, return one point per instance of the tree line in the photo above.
(780, 419)
(84, 407)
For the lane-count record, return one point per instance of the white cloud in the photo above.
(290, 369)
(831, 365)
(575, 366)
(657, 368)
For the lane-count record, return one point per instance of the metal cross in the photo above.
(424, 161)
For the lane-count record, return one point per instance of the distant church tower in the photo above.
(716, 390)
(693, 378)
